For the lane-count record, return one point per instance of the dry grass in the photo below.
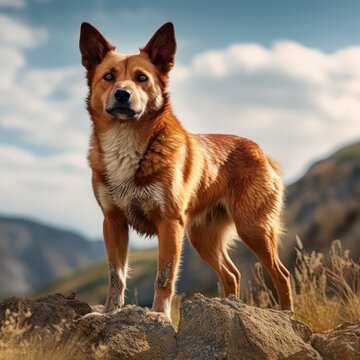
(18, 340)
(326, 291)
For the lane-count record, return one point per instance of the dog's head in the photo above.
(127, 87)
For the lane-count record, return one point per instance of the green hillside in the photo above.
(91, 281)
(348, 153)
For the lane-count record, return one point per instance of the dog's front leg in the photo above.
(116, 241)
(171, 236)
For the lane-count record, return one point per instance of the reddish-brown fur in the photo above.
(201, 185)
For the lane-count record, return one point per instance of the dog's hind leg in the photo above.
(255, 204)
(261, 238)
(210, 241)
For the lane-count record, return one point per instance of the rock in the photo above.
(40, 328)
(302, 329)
(341, 344)
(43, 314)
(229, 329)
(55, 327)
(132, 333)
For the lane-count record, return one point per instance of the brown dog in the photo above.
(151, 174)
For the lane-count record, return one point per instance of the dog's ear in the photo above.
(162, 47)
(93, 46)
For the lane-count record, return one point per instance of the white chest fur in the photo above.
(122, 152)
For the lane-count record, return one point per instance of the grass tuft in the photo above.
(326, 292)
(19, 341)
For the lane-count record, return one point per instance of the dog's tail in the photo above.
(275, 165)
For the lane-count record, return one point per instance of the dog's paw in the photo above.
(108, 311)
(163, 316)
(100, 310)
(92, 315)
(97, 308)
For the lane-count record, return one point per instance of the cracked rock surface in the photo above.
(342, 343)
(229, 329)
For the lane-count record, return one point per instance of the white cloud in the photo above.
(16, 4)
(43, 105)
(52, 188)
(297, 103)
(11, 60)
(15, 33)
(48, 107)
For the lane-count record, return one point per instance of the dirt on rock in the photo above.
(229, 329)
(132, 333)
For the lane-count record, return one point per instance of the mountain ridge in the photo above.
(324, 204)
(32, 253)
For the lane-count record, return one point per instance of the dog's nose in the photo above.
(122, 95)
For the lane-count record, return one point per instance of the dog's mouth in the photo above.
(121, 110)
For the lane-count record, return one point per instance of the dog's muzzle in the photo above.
(121, 105)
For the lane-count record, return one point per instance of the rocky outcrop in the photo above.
(229, 329)
(342, 343)
(43, 314)
(133, 333)
(61, 327)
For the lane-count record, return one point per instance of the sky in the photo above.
(285, 73)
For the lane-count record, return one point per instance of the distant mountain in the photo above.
(324, 204)
(32, 254)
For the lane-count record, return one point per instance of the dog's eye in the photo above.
(109, 76)
(141, 78)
